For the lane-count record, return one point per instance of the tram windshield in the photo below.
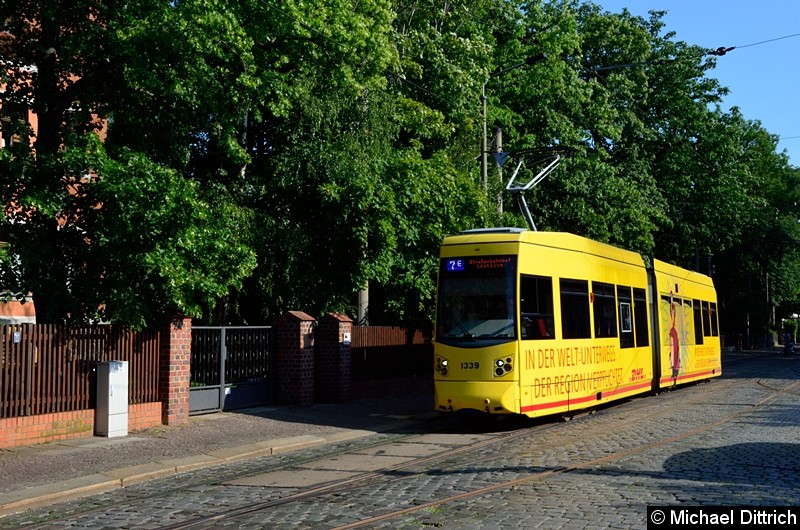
(476, 298)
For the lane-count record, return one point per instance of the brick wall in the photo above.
(144, 416)
(175, 370)
(172, 409)
(295, 358)
(44, 428)
(296, 375)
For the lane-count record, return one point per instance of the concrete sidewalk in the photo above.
(59, 471)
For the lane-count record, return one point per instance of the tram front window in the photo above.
(476, 299)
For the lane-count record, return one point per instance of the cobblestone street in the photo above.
(731, 441)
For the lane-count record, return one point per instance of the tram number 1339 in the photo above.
(470, 365)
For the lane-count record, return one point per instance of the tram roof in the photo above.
(570, 242)
(562, 240)
(682, 274)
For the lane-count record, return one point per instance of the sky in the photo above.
(763, 77)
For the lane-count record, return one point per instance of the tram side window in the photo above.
(710, 319)
(640, 317)
(625, 317)
(575, 309)
(714, 320)
(706, 319)
(536, 308)
(605, 310)
(698, 322)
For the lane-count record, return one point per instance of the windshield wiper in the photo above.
(462, 328)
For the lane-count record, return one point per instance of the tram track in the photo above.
(565, 469)
(316, 491)
(366, 480)
(625, 415)
(361, 480)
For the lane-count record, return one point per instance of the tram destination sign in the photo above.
(482, 263)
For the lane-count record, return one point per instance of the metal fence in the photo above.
(231, 367)
(46, 368)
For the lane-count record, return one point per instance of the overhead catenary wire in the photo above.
(770, 40)
(722, 50)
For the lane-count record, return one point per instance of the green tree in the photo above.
(758, 271)
(586, 97)
(74, 211)
(356, 177)
(658, 166)
(726, 194)
(263, 156)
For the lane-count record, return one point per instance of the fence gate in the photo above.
(231, 368)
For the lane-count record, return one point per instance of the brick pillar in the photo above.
(294, 358)
(333, 359)
(175, 370)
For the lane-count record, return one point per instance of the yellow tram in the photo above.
(542, 323)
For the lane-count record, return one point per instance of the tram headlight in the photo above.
(503, 366)
(442, 365)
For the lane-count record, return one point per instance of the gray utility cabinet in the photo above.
(111, 413)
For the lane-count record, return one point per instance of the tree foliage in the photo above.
(119, 231)
(262, 156)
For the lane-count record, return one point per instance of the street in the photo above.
(728, 442)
